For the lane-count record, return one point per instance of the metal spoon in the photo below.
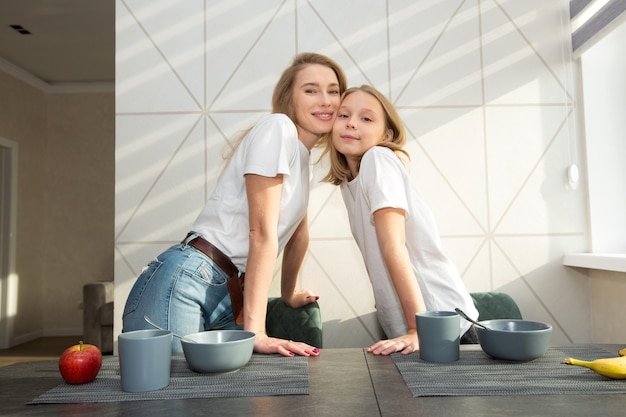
(466, 317)
(153, 324)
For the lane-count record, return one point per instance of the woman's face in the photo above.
(316, 97)
(360, 125)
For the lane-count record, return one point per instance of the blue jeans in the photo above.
(182, 290)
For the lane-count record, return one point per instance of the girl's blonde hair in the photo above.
(339, 170)
(282, 98)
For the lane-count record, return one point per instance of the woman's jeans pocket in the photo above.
(144, 279)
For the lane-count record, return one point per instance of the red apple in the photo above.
(80, 363)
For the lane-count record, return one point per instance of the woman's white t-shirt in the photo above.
(384, 182)
(270, 148)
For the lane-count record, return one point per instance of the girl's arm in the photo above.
(390, 231)
(264, 195)
(293, 255)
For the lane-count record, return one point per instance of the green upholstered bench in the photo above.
(302, 324)
(495, 305)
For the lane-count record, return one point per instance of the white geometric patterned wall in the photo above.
(485, 88)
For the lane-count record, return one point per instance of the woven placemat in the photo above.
(264, 375)
(475, 374)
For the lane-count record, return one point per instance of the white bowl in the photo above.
(218, 350)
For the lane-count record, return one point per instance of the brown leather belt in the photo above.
(235, 281)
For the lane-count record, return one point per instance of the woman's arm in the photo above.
(264, 195)
(293, 255)
(390, 231)
(264, 209)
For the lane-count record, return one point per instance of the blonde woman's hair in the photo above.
(282, 98)
(339, 170)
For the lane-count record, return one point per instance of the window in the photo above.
(603, 103)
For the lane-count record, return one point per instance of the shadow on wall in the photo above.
(548, 300)
(357, 332)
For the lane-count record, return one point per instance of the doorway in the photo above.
(8, 225)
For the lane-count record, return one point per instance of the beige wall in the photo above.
(23, 120)
(65, 205)
(608, 306)
(80, 177)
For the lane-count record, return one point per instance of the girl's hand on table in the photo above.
(405, 344)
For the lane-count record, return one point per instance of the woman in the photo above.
(391, 224)
(257, 210)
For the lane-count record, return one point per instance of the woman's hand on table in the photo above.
(405, 344)
(265, 344)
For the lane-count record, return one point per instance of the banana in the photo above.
(622, 352)
(614, 368)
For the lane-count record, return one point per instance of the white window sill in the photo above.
(605, 261)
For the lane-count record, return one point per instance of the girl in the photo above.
(390, 222)
(257, 210)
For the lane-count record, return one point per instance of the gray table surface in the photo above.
(394, 398)
(339, 385)
(343, 382)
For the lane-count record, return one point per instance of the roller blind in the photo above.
(592, 19)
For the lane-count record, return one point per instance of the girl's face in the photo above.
(316, 97)
(360, 125)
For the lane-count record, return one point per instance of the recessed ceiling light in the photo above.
(20, 29)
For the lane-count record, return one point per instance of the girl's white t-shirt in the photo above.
(384, 182)
(270, 148)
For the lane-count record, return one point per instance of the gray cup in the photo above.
(439, 335)
(145, 359)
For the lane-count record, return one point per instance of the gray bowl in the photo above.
(218, 350)
(514, 340)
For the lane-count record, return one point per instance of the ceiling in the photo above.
(68, 41)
